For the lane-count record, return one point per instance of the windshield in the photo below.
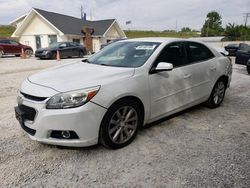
(124, 54)
(56, 44)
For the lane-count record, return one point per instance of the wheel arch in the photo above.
(135, 99)
(224, 78)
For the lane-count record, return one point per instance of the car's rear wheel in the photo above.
(248, 67)
(1, 53)
(217, 94)
(120, 124)
(28, 52)
(81, 54)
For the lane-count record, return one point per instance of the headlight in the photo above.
(72, 99)
(45, 52)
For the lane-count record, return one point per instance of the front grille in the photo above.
(33, 98)
(29, 113)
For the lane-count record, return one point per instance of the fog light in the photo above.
(66, 134)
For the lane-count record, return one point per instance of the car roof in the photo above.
(162, 40)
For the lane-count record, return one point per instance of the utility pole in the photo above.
(207, 27)
(247, 15)
(82, 12)
(176, 26)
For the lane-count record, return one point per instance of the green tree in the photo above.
(212, 25)
(237, 32)
(186, 30)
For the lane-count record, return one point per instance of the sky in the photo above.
(144, 14)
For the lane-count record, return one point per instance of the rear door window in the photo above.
(198, 52)
(244, 47)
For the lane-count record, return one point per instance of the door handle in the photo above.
(187, 76)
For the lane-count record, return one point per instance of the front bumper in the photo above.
(42, 55)
(84, 121)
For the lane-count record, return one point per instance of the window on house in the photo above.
(76, 41)
(52, 39)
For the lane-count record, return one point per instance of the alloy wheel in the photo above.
(123, 124)
(219, 91)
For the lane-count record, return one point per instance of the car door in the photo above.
(170, 90)
(5, 46)
(74, 49)
(243, 54)
(203, 67)
(15, 47)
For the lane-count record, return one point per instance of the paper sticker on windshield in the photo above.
(145, 47)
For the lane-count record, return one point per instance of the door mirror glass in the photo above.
(164, 66)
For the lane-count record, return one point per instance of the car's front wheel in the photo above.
(120, 124)
(217, 94)
(1, 53)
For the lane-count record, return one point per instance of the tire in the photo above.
(248, 67)
(1, 53)
(217, 95)
(81, 54)
(28, 52)
(117, 132)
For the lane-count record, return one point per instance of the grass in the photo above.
(6, 31)
(138, 34)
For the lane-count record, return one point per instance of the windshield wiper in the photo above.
(103, 64)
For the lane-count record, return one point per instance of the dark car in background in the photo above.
(248, 66)
(11, 47)
(65, 49)
(232, 49)
(243, 56)
(111, 41)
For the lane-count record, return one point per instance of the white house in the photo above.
(40, 28)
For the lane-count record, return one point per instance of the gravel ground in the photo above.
(199, 147)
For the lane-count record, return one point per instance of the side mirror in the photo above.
(163, 66)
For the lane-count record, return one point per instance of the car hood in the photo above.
(79, 75)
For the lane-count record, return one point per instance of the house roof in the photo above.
(72, 25)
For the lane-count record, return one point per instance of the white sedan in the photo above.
(128, 84)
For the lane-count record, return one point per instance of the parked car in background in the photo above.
(128, 84)
(243, 54)
(232, 49)
(11, 47)
(66, 49)
(248, 66)
(112, 41)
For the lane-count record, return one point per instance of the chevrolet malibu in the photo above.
(108, 97)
